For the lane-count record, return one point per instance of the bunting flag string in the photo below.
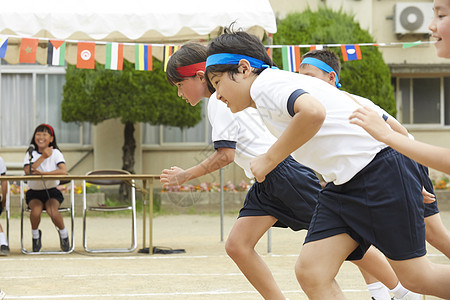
(56, 53)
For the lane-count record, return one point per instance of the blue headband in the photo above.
(321, 65)
(233, 59)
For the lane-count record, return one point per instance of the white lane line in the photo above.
(218, 292)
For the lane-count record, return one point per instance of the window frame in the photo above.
(34, 71)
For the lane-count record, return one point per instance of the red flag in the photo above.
(86, 55)
(28, 48)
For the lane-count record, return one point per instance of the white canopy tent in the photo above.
(131, 21)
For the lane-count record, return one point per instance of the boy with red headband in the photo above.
(373, 195)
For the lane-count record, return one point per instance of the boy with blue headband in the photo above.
(286, 199)
(325, 65)
(373, 195)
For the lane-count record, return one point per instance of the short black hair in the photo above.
(236, 42)
(328, 57)
(188, 54)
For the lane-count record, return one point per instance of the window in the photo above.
(158, 135)
(31, 95)
(423, 101)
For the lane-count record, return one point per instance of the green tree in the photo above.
(369, 77)
(132, 96)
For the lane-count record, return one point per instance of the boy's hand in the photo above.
(427, 196)
(173, 177)
(371, 122)
(261, 166)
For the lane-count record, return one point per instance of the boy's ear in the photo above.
(201, 75)
(332, 76)
(245, 67)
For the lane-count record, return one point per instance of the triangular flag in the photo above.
(86, 55)
(269, 51)
(291, 58)
(3, 45)
(316, 47)
(409, 45)
(285, 57)
(351, 52)
(114, 56)
(28, 48)
(167, 52)
(143, 57)
(297, 58)
(56, 53)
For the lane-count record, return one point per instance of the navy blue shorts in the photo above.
(289, 193)
(382, 205)
(430, 208)
(43, 196)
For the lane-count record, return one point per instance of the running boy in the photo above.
(436, 233)
(286, 199)
(428, 155)
(242, 136)
(373, 195)
(325, 65)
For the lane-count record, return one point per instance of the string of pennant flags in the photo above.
(143, 53)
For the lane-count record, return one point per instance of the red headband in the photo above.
(191, 70)
(49, 127)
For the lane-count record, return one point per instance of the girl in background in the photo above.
(46, 159)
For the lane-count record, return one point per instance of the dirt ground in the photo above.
(203, 272)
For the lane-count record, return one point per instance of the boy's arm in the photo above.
(309, 117)
(425, 154)
(177, 176)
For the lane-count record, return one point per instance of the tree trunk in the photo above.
(128, 157)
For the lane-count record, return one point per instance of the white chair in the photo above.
(71, 209)
(130, 207)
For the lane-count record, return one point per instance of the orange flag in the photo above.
(28, 48)
(86, 55)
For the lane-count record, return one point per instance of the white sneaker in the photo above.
(2, 294)
(410, 296)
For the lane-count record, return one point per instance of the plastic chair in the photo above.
(24, 209)
(104, 208)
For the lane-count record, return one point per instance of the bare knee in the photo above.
(307, 275)
(236, 249)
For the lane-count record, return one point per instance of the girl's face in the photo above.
(193, 89)
(440, 27)
(234, 91)
(42, 139)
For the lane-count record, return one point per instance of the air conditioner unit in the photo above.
(412, 17)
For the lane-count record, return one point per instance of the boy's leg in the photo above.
(240, 246)
(437, 235)
(421, 276)
(319, 263)
(375, 263)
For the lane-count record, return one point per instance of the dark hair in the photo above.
(188, 54)
(236, 42)
(45, 128)
(328, 57)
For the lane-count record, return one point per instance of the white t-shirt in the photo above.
(2, 167)
(339, 150)
(49, 164)
(244, 131)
